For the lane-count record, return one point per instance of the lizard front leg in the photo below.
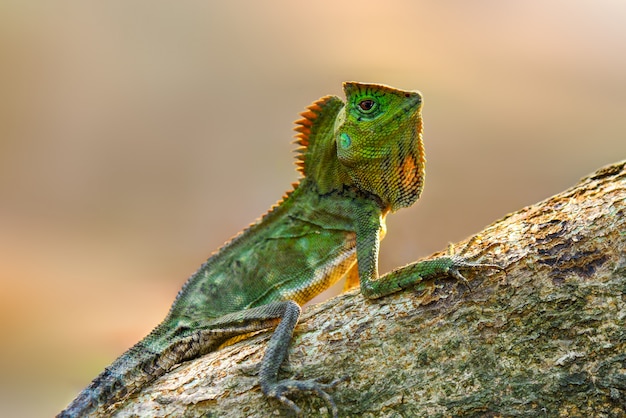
(373, 286)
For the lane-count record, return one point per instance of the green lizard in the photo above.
(360, 160)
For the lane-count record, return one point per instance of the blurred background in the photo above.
(136, 137)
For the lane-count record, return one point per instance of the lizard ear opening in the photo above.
(344, 140)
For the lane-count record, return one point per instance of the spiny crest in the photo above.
(303, 127)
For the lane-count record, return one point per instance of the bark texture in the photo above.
(545, 338)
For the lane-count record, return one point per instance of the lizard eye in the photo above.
(367, 105)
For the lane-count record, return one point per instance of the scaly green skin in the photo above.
(360, 160)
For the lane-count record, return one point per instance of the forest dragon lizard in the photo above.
(360, 160)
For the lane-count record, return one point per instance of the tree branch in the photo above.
(546, 338)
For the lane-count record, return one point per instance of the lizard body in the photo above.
(360, 160)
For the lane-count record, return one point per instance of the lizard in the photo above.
(359, 160)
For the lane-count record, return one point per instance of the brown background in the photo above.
(136, 137)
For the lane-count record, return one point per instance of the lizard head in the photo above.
(378, 134)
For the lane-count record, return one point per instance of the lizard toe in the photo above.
(280, 390)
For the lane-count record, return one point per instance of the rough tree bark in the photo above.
(546, 338)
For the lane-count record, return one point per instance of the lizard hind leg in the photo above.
(275, 355)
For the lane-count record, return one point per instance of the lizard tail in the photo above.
(118, 381)
(141, 364)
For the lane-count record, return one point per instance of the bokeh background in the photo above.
(136, 137)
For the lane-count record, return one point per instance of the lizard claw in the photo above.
(281, 389)
(460, 262)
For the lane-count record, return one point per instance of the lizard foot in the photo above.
(281, 389)
(456, 263)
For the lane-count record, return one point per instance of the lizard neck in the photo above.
(317, 158)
